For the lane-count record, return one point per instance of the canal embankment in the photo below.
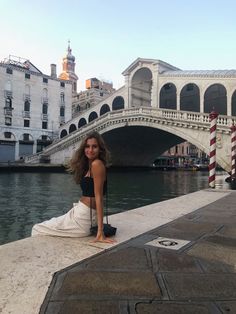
(28, 265)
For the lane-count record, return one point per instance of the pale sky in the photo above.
(107, 36)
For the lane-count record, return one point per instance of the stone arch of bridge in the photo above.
(139, 145)
(140, 88)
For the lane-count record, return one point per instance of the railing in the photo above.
(132, 115)
(44, 116)
(8, 111)
(26, 114)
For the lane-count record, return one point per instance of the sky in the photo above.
(107, 36)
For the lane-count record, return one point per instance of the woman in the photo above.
(89, 168)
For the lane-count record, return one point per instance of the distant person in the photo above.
(88, 165)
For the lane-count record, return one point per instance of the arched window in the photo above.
(45, 108)
(72, 128)
(82, 122)
(93, 115)
(233, 104)
(104, 109)
(168, 96)
(215, 99)
(27, 105)
(8, 103)
(118, 103)
(190, 98)
(62, 111)
(63, 133)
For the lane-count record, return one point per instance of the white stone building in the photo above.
(32, 108)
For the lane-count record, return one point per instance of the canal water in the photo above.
(28, 198)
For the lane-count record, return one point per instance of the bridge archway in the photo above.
(233, 104)
(215, 98)
(104, 109)
(93, 115)
(118, 103)
(168, 99)
(190, 98)
(72, 128)
(63, 133)
(82, 122)
(141, 86)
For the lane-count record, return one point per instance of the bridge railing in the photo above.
(123, 114)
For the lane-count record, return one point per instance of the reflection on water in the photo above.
(27, 198)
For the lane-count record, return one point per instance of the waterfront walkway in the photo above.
(191, 270)
(187, 266)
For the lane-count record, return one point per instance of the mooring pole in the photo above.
(233, 152)
(212, 165)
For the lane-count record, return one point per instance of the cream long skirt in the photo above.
(75, 223)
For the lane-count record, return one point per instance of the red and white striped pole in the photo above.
(233, 152)
(212, 166)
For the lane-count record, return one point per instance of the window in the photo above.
(44, 137)
(27, 106)
(62, 98)
(44, 125)
(26, 123)
(101, 94)
(189, 87)
(45, 108)
(62, 84)
(7, 121)
(62, 111)
(176, 149)
(45, 80)
(8, 103)
(9, 71)
(7, 134)
(27, 75)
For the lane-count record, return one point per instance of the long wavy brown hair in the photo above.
(79, 164)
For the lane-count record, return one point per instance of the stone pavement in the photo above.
(185, 266)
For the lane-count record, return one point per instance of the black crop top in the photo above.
(87, 186)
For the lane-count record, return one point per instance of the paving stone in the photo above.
(187, 230)
(211, 266)
(127, 258)
(228, 307)
(116, 284)
(171, 261)
(229, 231)
(215, 252)
(52, 308)
(222, 240)
(90, 307)
(201, 286)
(168, 308)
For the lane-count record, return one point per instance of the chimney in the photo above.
(53, 71)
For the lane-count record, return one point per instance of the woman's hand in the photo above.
(101, 238)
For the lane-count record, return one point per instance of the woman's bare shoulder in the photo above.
(98, 164)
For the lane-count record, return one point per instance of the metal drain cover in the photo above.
(167, 243)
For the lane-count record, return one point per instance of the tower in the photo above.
(68, 69)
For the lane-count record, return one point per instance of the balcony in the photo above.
(8, 111)
(8, 94)
(26, 114)
(44, 100)
(44, 117)
(26, 97)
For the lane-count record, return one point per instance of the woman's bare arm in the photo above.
(99, 177)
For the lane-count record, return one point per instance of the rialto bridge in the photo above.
(158, 107)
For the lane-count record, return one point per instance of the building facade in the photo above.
(32, 108)
(95, 92)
